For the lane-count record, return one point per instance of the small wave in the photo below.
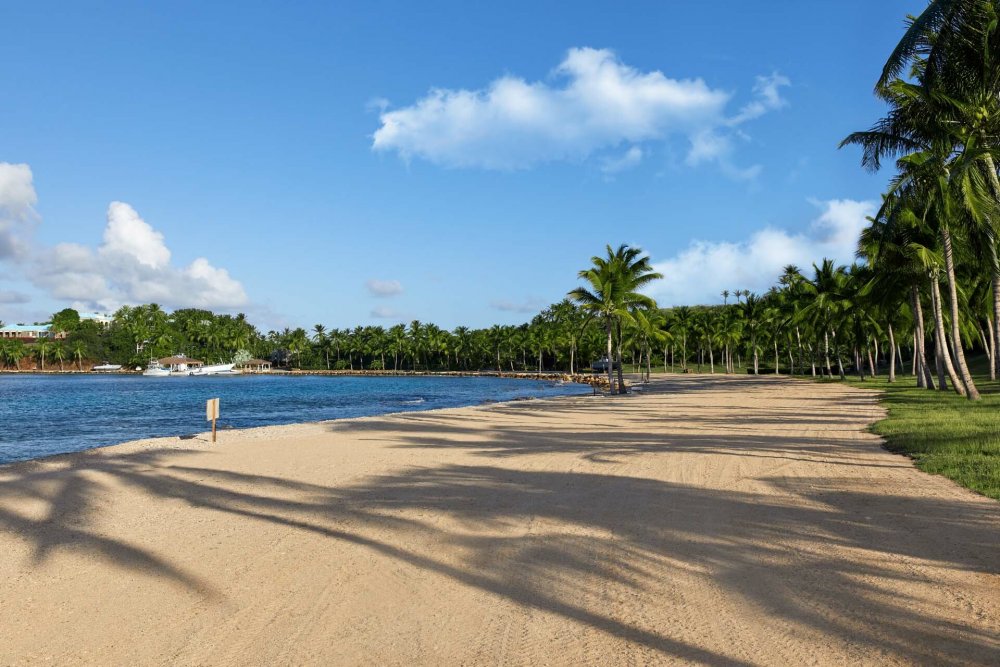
(413, 401)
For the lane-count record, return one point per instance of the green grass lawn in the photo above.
(942, 432)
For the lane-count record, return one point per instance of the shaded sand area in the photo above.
(711, 520)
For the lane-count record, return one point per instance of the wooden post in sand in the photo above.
(212, 413)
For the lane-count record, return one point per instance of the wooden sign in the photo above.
(212, 413)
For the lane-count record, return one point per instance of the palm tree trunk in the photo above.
(776, 363)
(621, 378)
(610, 357)
(993, 353)
(995, 267)
(892, 356)
(924, 377)
(956, 330)
(798, 340)
(826, 342)
(875, 365)
(941, 343)
(840, 362)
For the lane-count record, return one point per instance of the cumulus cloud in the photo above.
(383, 288)
(593, 102)
(699, 273)
(527, 306)
(132, 265)
(17, 209)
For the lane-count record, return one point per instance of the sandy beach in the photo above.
(710, 520)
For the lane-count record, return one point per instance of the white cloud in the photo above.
(17, 209)
(528, 306)
(715, 144)
(767, 97)
(132, 265)
(129, 235)
(699, 273)
(631, 158)
(598, 102)
(384, 313)
(383, 288)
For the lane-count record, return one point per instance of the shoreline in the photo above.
(275, 429)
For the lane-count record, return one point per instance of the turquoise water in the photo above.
(42, 415)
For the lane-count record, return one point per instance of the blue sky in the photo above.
(375, 162)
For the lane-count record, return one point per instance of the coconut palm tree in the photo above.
(943, 128)
(15, 352)
(59, 354)
(78, 349)
(612, 293)
(320, 339)
(43, 347)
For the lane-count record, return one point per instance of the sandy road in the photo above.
(712, 520)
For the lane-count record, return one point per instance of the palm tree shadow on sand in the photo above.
(631, 533)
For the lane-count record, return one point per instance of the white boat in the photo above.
(156, 370)
(216, 369)
(107, 367)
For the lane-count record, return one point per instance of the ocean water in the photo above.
(42, 415)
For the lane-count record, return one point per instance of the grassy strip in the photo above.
(942, 432)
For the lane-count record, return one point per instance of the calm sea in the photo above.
(53, 414)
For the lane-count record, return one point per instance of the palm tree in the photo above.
(16, 352)
(613, 288)
(59, 354)
(944, 129)
(754, 316)
(42, 347)
(498, 336)
(823, 309)
(78, 349)
(681, 325)
(319, 337)
(397, 344)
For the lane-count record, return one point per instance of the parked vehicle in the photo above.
(601, 365)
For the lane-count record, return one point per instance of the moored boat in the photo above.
(107, 368)
(156, 370)
(216, 369)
